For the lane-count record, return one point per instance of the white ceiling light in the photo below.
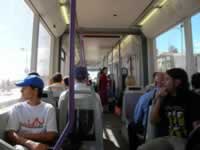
(65, 14)
(148, 16)
(153, 12)
(162, 3)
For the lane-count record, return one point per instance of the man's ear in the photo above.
(177, 82)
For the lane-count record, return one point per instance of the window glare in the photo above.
(16, 25)
(43, 60)
(170, 47)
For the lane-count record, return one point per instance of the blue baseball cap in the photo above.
(31, 80)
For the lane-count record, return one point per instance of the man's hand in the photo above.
(161, 93)
(36, 146)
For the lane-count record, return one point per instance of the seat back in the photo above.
(150, 128)
(130, 100)
(88, 119)
(47, 97)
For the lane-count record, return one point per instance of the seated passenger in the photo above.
(141, 112)
(66, 82)
(32, 123)
(56, 84)
(196, 83)
(178, 108)
(152, 85)
(80, 83)
(34, 73)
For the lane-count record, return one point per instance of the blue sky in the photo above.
(175, 37)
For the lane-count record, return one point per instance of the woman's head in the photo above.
(176, 80)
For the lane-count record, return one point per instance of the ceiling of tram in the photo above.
(106, 14)
(109, 13)
(96, 47)
(93, 14)
(49, 10)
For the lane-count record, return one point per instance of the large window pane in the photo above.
(16, 25)
(196, 39)
(44, 47)
(170, 48)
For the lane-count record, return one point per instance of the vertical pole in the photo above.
(190, 61)
(120, 66)
(131, 66)
(112, 61)
(35, 36)
(82, 52)
(144, 58)
(71, 77)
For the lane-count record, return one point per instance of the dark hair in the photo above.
(33, 73)
(40, 91)
(66, 81)
(57, 77)
(81, 73)
(179, 74)
(154, 75)
(196, 80)
(104, 68)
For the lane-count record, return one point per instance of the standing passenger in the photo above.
(103, 87)
(66, 82)
(32, 123)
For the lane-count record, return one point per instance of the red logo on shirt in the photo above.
(36, 123)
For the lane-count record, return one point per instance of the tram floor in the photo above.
(113, 139)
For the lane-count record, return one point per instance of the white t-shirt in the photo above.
(32, 119)
(84, 87)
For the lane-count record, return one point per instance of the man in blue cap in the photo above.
(32, 122)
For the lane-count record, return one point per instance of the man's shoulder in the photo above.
(20, 104)
(149, 94)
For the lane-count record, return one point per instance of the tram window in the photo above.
(44, 48)
(93, 75)
(16, 25)
(196, 39)
(171, 49)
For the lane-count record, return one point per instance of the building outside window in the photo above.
(195, 20)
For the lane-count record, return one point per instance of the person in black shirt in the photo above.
(177, 107)
(195, 81)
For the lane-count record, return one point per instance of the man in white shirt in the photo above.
(81, 75)
(32, 122)
(81, 85)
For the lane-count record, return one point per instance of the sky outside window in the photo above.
(172, 38)
(196, 33)
(16, 38)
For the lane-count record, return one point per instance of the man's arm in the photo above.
(17, 139)
(155, 112)
(138, 113)
(41, 137)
